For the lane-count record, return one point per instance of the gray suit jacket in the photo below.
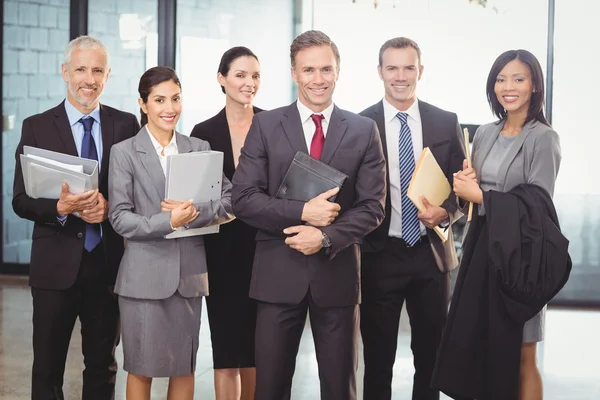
(534, 156)
(154, 267)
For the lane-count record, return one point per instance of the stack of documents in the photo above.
(44, 172)
(197, 177)
(429, 181)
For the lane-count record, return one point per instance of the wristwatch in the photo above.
(325, 243)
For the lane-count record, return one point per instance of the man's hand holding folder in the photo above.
(317, 212)
(89, 206)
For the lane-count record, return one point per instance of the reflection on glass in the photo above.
(129, 30)
(205, 31)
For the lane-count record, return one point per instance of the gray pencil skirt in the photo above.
(160, 337)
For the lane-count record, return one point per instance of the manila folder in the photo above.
(429, 181)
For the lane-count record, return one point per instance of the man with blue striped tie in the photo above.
(404, 260)
(75, 253)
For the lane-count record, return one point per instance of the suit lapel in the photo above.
(426, 125)
(184, 144)
(150, 160)
(222, 140)
(108, 137)
(486, 145)
(64, 129)
(292, 126)
(335, 133)
(379, 118)
(512, 153)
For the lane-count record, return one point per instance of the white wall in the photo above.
(459, 41)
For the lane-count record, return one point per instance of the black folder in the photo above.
(308, 177)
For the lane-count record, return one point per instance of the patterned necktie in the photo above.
(318, 139)
(88, 150)
(411, 231)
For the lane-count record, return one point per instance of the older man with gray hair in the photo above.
(75, 252)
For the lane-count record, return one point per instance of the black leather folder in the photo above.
(308, 177)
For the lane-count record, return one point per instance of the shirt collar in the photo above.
(74, 115)
(390, 111)
(157, 146)
(306, 112)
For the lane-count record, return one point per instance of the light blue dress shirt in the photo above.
(74, 115)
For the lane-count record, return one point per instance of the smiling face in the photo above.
(163, 108)
(400, 71)
(242, 81)
(86, 75)
(316, 72)
(514, 87)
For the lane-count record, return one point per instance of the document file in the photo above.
(194, 176)
(308, 177)
(429, 181)
(44, 172)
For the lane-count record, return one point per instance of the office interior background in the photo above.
(459, 38)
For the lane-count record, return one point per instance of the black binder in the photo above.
(308, 177)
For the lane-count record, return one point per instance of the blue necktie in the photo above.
(88, 150)
(411, 231)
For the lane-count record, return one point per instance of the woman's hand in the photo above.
(468, 171)
(182, 214)
(467, 189)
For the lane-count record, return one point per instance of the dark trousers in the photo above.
(278, 331)
(390, 277)
(54, 314)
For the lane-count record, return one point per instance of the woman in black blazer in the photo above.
(230, 253)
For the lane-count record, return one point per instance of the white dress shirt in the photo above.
(392, 137)
(163, 152)
(308, 125)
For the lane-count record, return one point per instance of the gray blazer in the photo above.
(533, 158)
(154, 267)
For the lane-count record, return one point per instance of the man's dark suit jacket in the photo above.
(441, 133)
(56, 249)
(282, 274)
(226, 252)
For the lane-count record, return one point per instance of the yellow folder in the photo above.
(429, 181)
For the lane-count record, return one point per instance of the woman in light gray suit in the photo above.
(161, 281)
(520, 148)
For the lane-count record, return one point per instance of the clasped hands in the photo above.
(466, 186)
(182, 212)
(317, 212)
(91, 205)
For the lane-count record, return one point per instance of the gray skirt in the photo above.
(533, 331)
(160, 337)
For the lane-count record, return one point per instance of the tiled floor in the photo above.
(569, 357)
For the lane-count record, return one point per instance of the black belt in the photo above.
(401, 242)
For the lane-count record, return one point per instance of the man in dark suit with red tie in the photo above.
(404, 259)
(307, 253)
(74, 259)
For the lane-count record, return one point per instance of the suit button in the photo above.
(80, 235)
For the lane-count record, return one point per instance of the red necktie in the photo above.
(318, 139)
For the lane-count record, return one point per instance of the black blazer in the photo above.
(57, 250)
(282, 274)
(441, 133)
(229, 253)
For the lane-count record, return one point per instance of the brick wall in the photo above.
(35, 34)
